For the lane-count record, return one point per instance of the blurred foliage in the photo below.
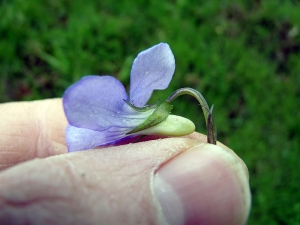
(243, 56)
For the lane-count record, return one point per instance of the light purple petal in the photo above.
(151, 70)
(96, 103)
(82, 139)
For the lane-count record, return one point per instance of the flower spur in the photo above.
(99, 111)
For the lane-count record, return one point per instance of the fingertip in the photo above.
(31, 129)
(204, 185)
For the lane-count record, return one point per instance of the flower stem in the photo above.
(210, 122)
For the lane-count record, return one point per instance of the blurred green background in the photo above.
(243, 56)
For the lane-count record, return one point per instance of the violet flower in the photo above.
(99, 111)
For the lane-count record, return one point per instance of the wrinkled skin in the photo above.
(40, 183)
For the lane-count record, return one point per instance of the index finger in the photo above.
(36, 129)
(31, 129)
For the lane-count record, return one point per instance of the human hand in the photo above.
(178, 180)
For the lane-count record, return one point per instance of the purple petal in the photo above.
(96, 103)
(83, 139)
(151, 70)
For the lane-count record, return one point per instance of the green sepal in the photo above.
(144, 108)
(160, 113)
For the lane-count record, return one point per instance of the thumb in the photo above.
(204, 185)
(154, 182)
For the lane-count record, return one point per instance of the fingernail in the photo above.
(204, 185)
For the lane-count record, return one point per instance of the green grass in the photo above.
(243, 56)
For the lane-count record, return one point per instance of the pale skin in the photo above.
(40, 183)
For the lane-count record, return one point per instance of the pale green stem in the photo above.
(210, 122)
